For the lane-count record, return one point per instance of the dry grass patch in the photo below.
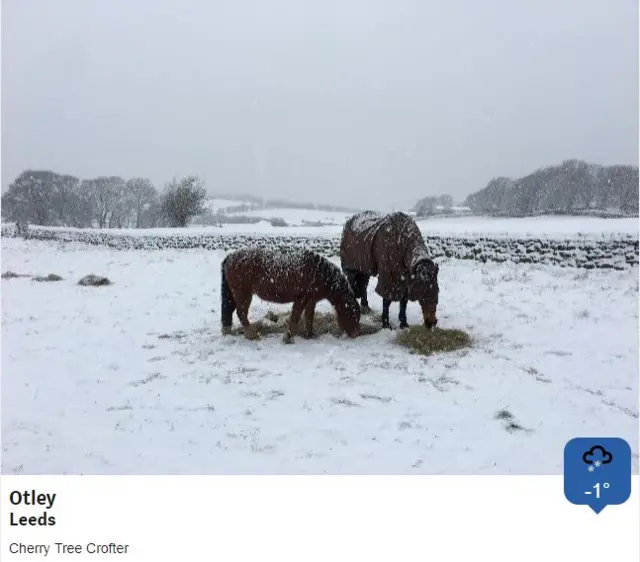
(48, 278)
(323, 323)
(94, 281)
(13, 275)
(421, 340)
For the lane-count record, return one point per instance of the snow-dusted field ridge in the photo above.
(611, 251)
(135, 377)
(556, 227)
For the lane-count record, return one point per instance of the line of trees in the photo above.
(432, 205)
(573, 187)
(43, 197)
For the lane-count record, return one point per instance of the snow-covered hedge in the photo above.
(618, 253)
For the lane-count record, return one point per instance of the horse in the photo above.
(391, 247)
(299, 276)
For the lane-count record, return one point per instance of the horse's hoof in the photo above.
(226, 330)
(252, 336)
(387, 326)
(404, 326)
(307, 336)
(366, 310)
(288, 338)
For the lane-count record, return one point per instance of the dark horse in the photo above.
(283, 276)
(392, 248)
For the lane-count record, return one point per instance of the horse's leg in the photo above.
(358, 282)
(364, 301)
(242, 311)
(228, 307)
(309, 312)
(386, 303)
(352, 278)
(402, 316)
(296, 312)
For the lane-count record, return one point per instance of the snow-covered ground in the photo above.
(542, 227)
(293, 216)
(216, 204)
(296, 217)
(91, 383)
(526, 227)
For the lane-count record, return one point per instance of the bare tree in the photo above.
(143, 196)
(81, 210)
(426, 206)
(152, 216)
(64, 191)
(122, 210)
(183, 200)
(104, 194)
(446, 201)
(29, 197)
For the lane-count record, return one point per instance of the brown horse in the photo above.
(392, 248)
(283, 276)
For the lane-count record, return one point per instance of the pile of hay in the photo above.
(48, 278)
(421, 340)
(323, 323)
(12, 275)
(94, 281)
(415, 338)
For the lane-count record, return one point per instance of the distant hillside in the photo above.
(239, 210)
(438, 205)
(572, 188)
(267, 203)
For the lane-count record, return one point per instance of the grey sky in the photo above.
(368, 103)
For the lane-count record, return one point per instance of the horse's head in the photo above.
(423, 287)
(348, 314)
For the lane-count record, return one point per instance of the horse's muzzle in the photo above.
(429, 315)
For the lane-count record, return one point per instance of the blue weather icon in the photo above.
(590, 475)
(596, 457)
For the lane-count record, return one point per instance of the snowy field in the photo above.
(543, 226)
(218, 204)
(293, 216)
(135, 378)
(558, 227)
(540, 227)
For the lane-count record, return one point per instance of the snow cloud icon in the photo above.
(598, 455)
(585, 481)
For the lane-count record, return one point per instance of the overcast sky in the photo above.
(366, 103)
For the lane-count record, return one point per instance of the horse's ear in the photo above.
(416, 267)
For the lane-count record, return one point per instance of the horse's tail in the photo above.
(227, 302)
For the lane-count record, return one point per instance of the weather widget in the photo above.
(597, 471)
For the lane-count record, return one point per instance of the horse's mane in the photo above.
(333, 274)
(424, 259)
(421, 257)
